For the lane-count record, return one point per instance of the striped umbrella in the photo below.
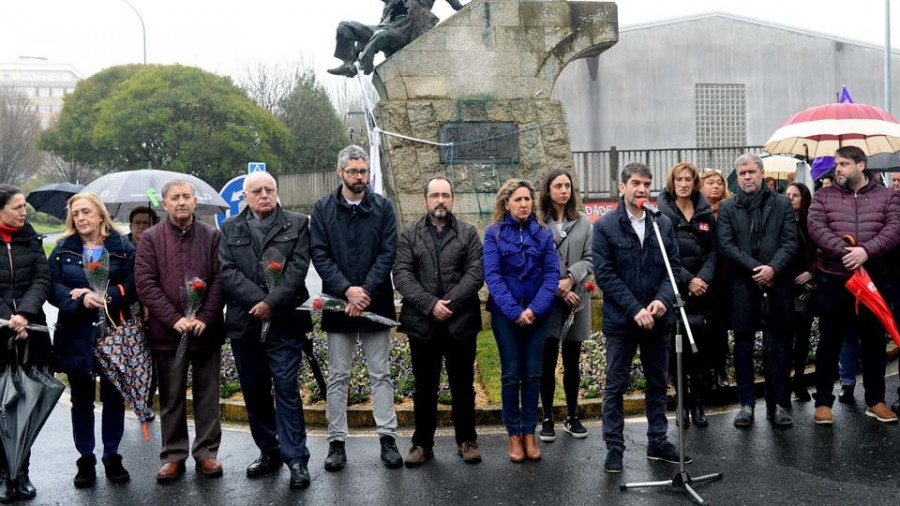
(820, 131)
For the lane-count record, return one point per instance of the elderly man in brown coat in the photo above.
(174, 253)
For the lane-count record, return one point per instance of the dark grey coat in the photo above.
(575, 260)
(416, 270)
(778, 245)
(244, 283)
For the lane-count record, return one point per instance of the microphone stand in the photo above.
(682, 481)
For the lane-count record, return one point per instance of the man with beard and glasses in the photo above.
(757, 234)
(179, 249)
(858, 206)
(354, 236)
(438, 273)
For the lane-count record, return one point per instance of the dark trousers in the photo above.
(428, 356)
(776, 366)
(277, 425)
(571, 358)
(620, 352)
(802, 334)
(695, 366)
(521, 350)
(837, 318)
(205, 366)
(112, 423)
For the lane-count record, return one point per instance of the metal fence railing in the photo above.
(300, 190)
(598, 171)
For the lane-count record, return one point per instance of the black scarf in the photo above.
(753, 203)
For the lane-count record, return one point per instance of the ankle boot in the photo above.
(529, 441)
(516, 450)
(699, 416)
(7, 486)
(24, 488)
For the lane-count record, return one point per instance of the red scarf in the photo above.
(7, 232)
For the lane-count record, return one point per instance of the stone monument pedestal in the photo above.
(476, 78)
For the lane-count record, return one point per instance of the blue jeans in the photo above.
(521, 350)
(848, 367)
(277, 426)
(112, 422)
(620, 352)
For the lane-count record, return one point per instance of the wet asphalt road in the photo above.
(857, 461)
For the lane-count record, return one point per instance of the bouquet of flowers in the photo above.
(273, 269)
(328, 303)
(196, 289)
(97, 273)
(584, 289)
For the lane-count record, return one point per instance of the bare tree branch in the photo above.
(20, 125)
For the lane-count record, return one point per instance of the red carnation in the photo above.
(198, 285)
(275, 266)
(94, 266)
(318, 304)
(590, 286)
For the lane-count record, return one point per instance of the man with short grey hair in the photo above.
(354, 237)
(175, 251)
(757, 233)
(263, 234)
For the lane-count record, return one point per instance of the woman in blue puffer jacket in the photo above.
(521, 269)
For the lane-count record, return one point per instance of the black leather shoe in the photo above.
(390, 455)
(299, 476)
(846, 395)
(685, 418)
(265, 464)
(87, 471)
(337, 456)
(699, 416)
(24, 488)
(7, 489)
(115, 471)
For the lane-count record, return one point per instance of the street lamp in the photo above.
(143, 28)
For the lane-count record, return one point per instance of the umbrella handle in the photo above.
(850, 239)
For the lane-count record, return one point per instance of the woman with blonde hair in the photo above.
(714, 188)
(90, 236)
(521, 269)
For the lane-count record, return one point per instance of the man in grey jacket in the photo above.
(438, 271)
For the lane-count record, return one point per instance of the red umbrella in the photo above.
(863, 288)
(819, 131)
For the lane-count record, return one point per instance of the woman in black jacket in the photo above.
(24, 286)
(801, 269)
(695, 230)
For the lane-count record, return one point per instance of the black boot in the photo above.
(87, 471)
(7, 485)
(699, 415)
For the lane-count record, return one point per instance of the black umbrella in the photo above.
(27, 397)
(884, 162)
(52, 198)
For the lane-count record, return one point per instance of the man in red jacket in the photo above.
(174, 253)
(858, 206)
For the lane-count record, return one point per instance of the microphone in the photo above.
(647, 206)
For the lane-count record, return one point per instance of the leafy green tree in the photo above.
(169, 117)
(313, 122)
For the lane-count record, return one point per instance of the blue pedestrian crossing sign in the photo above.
(256, 167)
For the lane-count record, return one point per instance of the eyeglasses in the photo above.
(356, 172)
(435, 196)
(256, 192)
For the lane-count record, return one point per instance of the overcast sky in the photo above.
(227, 36)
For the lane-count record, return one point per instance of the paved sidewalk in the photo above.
(857, 461)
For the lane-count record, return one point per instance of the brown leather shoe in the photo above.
(882, 413)
(469, 452)
(531, 447)
(170, 471)
(516, 451)
(211, 468)
(823, 416)
(418, 455)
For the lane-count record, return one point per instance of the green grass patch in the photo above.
(48, 229)
(489, 365)
(48, 247)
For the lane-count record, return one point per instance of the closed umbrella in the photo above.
(124, 359)
(863, 288)
(121, 192)
(820, 131)
(52, 198)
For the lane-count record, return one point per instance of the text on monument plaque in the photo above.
(480, 142)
